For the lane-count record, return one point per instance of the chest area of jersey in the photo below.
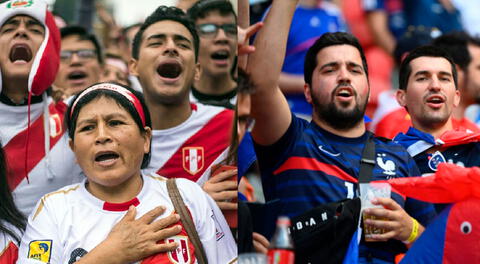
(464, 156)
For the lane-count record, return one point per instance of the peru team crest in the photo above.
(181, 255)
(193, 159)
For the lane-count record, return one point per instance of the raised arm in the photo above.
(269, 106)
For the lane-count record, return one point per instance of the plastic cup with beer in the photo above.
(369, 191)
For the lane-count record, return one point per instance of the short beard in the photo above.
(337, 118)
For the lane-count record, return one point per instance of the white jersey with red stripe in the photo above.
(69, 223)
(8, 246)
(191, 148)
(62, 169)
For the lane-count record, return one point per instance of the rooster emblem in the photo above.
(387, 166)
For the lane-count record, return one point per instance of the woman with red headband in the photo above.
(109, 129)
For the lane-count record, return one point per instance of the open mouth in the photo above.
(106, 156)
(20, 52)
(76, 75)
(435, 99)
(220, 55)
(170, 70)
(345, 92)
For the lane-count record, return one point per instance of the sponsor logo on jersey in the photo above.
(181, 255)
(76, 255)
(55, 125)
(40, 250)
(193, 159)
(19, 3)
(219, 234)
(436, 159)
(388, 166)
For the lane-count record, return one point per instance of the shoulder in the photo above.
(58, 200)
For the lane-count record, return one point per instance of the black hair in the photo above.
(71, 119)
(165, 13)
(8, 211)
(423, 51)
(244, 83)
(327, 40)
(456, 44)
(200, 9)
(82, 34)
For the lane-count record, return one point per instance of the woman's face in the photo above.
(108, 144)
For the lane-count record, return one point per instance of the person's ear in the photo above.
(307, 91)
(401, 96)
(147, 135)
(132, 67)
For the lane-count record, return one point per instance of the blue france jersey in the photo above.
(309, 166)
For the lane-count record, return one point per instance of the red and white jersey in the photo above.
(70, 222)
(191, 148)
(62, 168)
(8, 246)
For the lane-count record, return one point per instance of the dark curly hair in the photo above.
(165, 13)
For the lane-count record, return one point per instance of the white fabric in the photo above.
(167, 142)
(73, 218)
(62, 160)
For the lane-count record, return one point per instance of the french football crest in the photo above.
(181, 255)
(436, 159)
(193, 159)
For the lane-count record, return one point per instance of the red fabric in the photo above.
(218, 143)
(463, 247)
(119, 207)
(450, 184)
(50, 60)
(458, 137)
(10, 254)
(393, 123)
(15, 149)
(301, 163)
(465, 124)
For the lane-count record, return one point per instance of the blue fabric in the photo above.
(394, 11)
(351, 257)
(413, 136)
(246, 155)
(430, 13)
(323, 163)
(429, 246)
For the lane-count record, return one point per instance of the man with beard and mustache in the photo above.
(305, 165)
(429, 92)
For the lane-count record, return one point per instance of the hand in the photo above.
(223, 190)
(244, 36)
(260, 243)
(133, 240)
(399, 224)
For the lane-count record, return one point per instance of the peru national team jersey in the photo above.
(191, 148)
(70, 222)
(63, 170)
(8, 246)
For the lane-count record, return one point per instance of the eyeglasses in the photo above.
(83, 54)
(211, 30)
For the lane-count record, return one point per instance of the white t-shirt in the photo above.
(42, 179)
(70, 222)
(191, 148)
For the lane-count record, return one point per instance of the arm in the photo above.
(269, 106)
(378, 22)
(291, 83)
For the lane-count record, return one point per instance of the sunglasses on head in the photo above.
(211, 30)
